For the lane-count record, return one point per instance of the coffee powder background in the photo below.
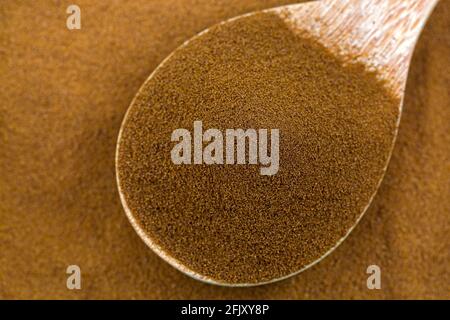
(63, 96)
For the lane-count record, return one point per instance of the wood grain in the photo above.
(379, 33)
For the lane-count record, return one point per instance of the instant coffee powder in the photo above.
(59, 204)
(229, 223)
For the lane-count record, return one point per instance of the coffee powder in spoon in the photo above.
(228, 223)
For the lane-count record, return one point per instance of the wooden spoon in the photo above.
(381, 34)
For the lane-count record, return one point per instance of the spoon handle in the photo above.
(379, 33)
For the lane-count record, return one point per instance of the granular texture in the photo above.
(64, 94)
(228, 222)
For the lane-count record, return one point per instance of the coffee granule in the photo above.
(59, 125)
(227, 222)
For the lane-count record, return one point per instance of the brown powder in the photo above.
(63, 97)
(228, 222)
